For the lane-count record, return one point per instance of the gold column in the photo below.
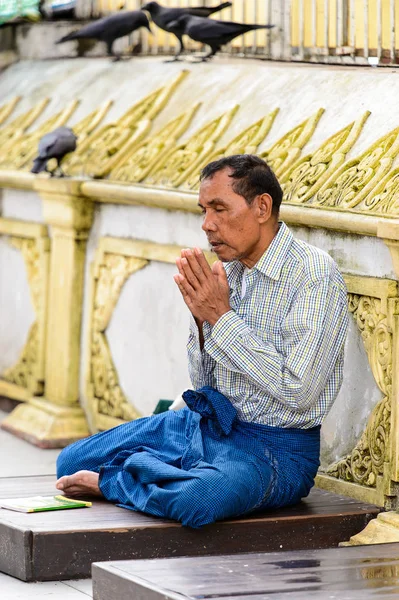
(57, 419)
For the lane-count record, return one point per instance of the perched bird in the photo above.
(212, 32)
(55, 144)
(163, 17)
(110, 29)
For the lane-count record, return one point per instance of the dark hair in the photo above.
(253, 177)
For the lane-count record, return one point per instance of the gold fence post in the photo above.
(57, 419)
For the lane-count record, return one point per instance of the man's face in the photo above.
(233, 228)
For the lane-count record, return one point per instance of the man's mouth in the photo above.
(215, 245)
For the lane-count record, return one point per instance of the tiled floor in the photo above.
(24, 459)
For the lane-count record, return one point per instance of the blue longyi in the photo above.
(199, 464)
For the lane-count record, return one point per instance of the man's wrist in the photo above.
(215, 318)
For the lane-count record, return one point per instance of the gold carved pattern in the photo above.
(384, 198)
(356, 178)
(16, 129)
(107, 393)
(7, 109)
(309, 174)
(246, 142)
(101, 151)
(28, 371)
(139, 163)
(181, 162)
(366, 461)
(286, 151)
(24, 150)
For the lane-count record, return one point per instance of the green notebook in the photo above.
(42, 503)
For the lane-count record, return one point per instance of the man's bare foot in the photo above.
(82, 483)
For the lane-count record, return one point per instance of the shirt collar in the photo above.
(271, 261)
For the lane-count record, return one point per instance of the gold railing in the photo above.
(333, 31)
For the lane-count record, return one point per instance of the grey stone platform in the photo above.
(356, 573)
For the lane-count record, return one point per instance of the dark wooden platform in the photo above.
(356, 573)
(63, 544)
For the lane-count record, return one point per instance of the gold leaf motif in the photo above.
(25, 149)
(384, 198)
(100, 152)
(18, 126)
(7, 109)
(112, 274)
(139, 163)
(185, 159)
(246, 142)
(358, 177)
(309, 174)
(366, 461)
(283, 154)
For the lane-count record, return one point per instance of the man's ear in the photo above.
(265, 207)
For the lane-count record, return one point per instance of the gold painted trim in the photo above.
(13, 391)
(353, 490)
(22, 228)
(16, 180)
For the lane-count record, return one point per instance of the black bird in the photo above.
(212, 32)
(55, 144)
(110, 29)
(163, 17)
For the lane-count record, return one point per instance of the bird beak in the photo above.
(149, 28)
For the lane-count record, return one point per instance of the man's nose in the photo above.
(208, 223)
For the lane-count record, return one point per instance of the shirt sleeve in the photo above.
(313, 334)
(200, 364)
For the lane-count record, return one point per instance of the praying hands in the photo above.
(205, 291)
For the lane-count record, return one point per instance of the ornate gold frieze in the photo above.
(365, 464)
(28, 372)
(384, 197)
(246, 142)
(23, 150)
(104, 391)
(310, 173)
(139, 163)
(358, 177)
(287, 150)
(103, 149)
(16, 129)
(7, 109)
(185, 159)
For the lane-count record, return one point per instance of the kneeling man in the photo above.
(265, 357)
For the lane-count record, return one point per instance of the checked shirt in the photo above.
(278, 353)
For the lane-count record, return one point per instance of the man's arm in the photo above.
(313, 334)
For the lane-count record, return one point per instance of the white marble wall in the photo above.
(16, 309)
